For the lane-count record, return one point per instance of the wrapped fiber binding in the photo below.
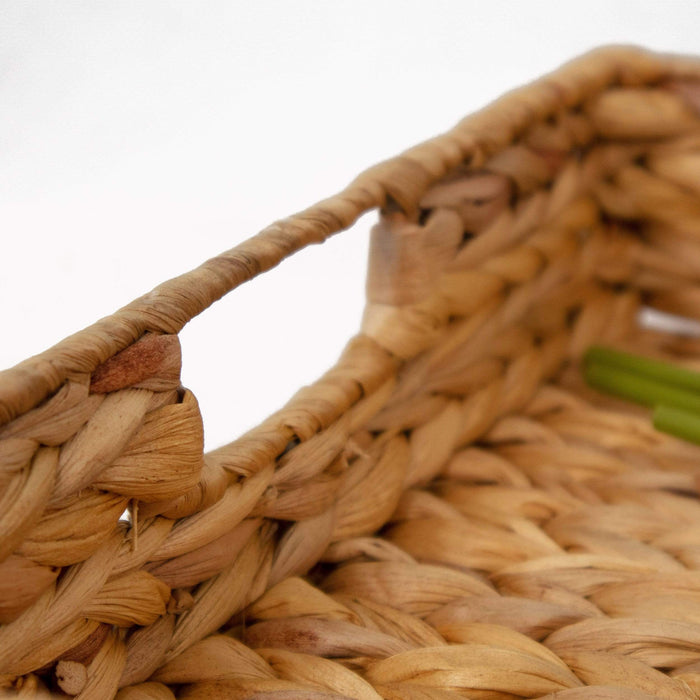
(448, 512)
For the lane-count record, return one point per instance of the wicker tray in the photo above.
(449, 512)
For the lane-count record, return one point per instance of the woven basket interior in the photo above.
(449, 512)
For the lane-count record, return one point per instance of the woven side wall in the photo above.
(523, 510)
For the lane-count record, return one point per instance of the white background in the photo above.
(138, 138)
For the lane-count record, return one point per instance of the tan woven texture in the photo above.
(449, 512)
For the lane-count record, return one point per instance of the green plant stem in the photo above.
(638, 388)
(676, 421)
(653, 369)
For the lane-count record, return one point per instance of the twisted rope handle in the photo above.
(399, 181)
(168, 307)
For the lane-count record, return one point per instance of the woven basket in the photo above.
(449, 512)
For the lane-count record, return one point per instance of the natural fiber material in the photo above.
(449, 512)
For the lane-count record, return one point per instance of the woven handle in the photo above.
(168, 307)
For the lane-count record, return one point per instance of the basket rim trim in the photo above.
(400, 180)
